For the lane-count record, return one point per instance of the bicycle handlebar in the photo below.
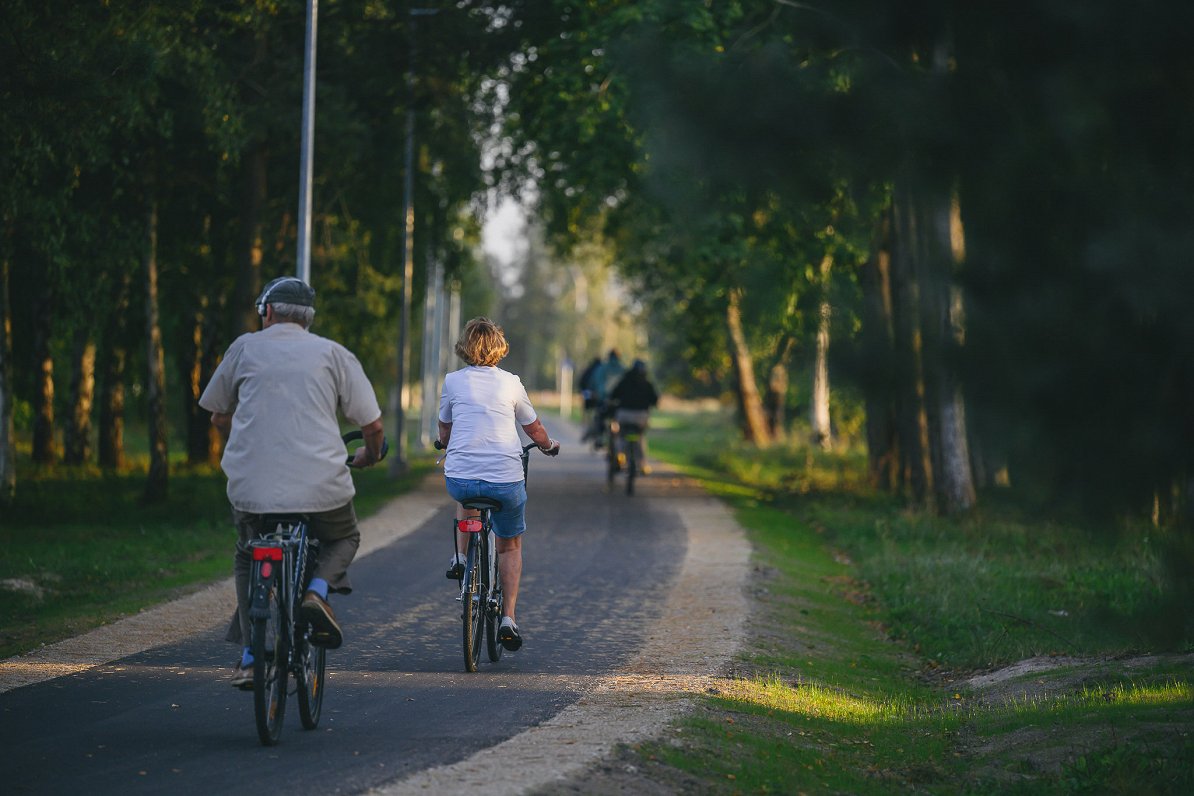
(552, 451)
(353, 436)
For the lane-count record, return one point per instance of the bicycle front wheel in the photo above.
(473, 610)
(310, 676)
(271, 650)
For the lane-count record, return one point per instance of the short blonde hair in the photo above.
(482, 343)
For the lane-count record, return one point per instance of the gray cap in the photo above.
(286, 290)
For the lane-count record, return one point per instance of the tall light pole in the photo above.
(307, 147)
(398, 458)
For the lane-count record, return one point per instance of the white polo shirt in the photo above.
(486, 407)
(283, 387)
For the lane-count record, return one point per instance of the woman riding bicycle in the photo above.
(480, 411)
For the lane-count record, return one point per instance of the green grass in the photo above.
(869, 618)
(79, 549)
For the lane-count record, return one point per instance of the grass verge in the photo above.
(893, 652)
(79, 549)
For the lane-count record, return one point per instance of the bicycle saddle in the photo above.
(482, 503)
(270, 522)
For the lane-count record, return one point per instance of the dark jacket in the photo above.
(635, 391)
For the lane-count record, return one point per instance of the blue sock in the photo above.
(319, 586)
(246, 658)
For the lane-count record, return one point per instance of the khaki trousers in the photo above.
(338, 535)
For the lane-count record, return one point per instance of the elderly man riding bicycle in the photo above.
(275, 397)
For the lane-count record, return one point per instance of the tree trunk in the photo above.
(821, 431)
(77, 449)
(929, 247)
(753, 418)
(878, 351)
(8, 460)
(113, 360)
(955, 486)
(44, 447)
(157, 483)
(199, 362)
(111, 433)
(912, 421)
(776, 402)
(248, 274)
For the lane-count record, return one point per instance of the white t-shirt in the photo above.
(486, 406)
(283, 387)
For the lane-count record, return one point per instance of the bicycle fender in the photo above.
(259, 590)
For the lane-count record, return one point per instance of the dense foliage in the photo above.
(982, 206)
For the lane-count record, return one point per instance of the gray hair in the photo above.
(293, 313)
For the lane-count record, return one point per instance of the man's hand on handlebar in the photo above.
(552, 449)
(364, 456)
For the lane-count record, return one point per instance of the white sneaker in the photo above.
(456, 566)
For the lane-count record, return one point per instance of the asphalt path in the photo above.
(598, 567)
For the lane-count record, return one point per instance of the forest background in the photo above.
(975, 216)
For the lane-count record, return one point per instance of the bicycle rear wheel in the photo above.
(271, 651)
(631, 464)
(611, 463)
(310, 676)
(493, 615)
(472, 608)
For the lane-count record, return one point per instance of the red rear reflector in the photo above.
(267, 569)
(469, 526)
(267, 554)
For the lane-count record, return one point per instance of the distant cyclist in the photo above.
(604, 379)
(275, 397)
(633, 397)
(480, 412)
(588, 392)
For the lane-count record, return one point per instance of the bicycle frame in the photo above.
(277, 579)
(281, 553)
(480, 585)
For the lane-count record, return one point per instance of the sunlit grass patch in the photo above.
(1173, 694)
(819, 701)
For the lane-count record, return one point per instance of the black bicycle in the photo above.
(481, 582)
(625, 453)
(280, 639)
(630, 436)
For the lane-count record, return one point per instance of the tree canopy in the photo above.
(982, 206)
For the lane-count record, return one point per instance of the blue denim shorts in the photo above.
(511, 520)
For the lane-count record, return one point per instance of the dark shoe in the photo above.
(242, 677)
(325, 632)
(509, 637)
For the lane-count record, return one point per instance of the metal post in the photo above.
(428, 381)
(448, 348)
(307, 147)
(398, 462)
(433, 370)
